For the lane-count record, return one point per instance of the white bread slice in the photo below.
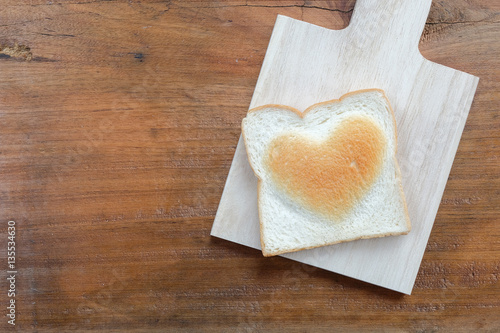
(327, 175)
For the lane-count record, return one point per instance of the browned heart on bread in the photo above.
(327, 175)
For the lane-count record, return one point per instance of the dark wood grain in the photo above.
(119, 121)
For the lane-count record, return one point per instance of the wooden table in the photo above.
(119, 121)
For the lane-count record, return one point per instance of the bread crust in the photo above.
(302, 115)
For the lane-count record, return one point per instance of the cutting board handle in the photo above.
(399, 21)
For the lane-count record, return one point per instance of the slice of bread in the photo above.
(327, 175)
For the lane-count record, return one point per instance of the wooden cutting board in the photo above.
(306, 64)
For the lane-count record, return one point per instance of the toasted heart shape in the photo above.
(326, 175)
(330, 176)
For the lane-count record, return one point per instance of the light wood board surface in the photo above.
(307, 64)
